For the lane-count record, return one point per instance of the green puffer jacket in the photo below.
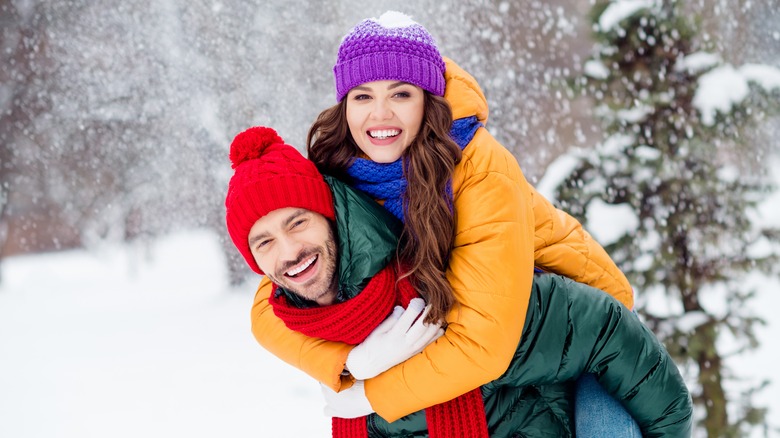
(570, 329)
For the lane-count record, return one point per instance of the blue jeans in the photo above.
(597, 414)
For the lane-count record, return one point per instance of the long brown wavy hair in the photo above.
(429, 162)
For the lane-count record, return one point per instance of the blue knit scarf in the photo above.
(386, 181)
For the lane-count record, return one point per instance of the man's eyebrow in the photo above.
(255, 239)
(294, 215)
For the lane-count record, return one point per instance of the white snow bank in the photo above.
(698, 62)
(596, 69)
(150, 342)
(766, 76)
(718, 91)
(556, 173)
(723, 87)
(608, 223)
(620, 10)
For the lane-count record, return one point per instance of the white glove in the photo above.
(395, 340)
(349, 403)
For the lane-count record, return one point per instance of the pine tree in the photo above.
(689, 244)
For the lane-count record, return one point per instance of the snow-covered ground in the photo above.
(126, 342)
(149, 342)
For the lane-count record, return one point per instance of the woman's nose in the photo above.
(381, 110)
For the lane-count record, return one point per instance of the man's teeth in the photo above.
(301, 268)
(384, 133)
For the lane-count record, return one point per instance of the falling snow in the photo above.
(115, 118)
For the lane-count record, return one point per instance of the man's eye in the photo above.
(263, 243)
(298, 223)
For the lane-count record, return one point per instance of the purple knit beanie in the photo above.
(391, 47)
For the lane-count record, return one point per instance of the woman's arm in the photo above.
(323, 360)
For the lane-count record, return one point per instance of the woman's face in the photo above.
(384, 117)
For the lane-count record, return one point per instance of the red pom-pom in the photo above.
(252, 143)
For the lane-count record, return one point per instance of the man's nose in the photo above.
(289, 249)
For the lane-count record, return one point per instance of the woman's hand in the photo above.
(402, 335)
(349, 403)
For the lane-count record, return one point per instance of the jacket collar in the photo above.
(464, 93)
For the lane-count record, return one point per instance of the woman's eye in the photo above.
(403, 94)
(361, 97)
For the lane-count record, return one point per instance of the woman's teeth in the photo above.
(384, 133)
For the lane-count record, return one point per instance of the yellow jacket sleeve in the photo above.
(490, 270)
(321, 359)
(562, 246)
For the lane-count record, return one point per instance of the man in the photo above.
(330, 253)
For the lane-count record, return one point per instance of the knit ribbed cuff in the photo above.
(388, 66)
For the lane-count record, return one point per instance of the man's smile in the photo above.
(304, 270)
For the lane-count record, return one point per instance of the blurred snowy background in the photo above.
(123, 310)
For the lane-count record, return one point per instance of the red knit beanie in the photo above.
(269, 175)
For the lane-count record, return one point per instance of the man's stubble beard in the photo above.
(329, 283)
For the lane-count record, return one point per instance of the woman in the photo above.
(473, 227)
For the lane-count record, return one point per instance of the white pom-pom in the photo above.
(394, 19)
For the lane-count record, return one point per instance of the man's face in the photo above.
(296, 249)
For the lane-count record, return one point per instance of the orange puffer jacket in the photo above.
(500, 217)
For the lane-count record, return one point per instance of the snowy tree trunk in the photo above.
(710, 365)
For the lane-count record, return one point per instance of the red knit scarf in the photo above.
(352, 321)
